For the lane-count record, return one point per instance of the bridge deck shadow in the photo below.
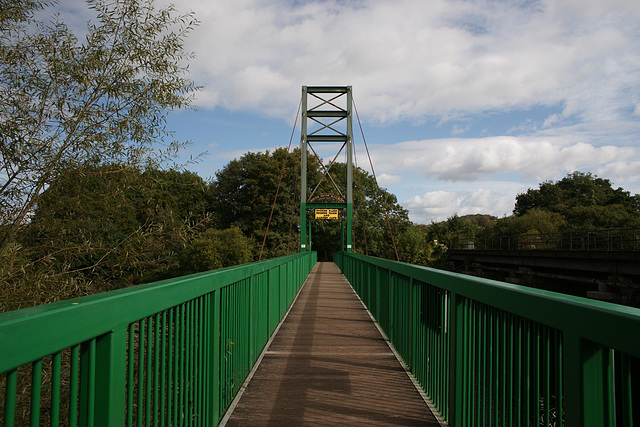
(329, 365)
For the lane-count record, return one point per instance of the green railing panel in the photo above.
(167, 353)
(488, 353)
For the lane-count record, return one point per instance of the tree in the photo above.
(71, 103)
(535, 221)
(371, 210)
(457, 230)
(217, 249)
(97, 229)
(584, 200)
(245, 188)
(412, 246)
(243, 194)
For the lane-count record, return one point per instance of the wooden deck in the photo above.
(329, 365)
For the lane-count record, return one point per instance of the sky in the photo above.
(463, 103)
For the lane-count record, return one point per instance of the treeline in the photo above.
(110, 226)
(105, 227)
(579, 202)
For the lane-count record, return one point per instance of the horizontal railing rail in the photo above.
(618, 239)
(492, 353)
(173, 352)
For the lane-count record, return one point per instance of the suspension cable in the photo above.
(364, 231)
(293, 205)
(376, 180)
(284, 164)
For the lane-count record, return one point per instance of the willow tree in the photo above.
(68, 101)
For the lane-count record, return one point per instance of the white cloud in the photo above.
(388, 179)
(483, 175)
(571, 107)
(624, 173)
(443, 57)
(471, 159)
(440, 205)
(409, 59)
(457, 130)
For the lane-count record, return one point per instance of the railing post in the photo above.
(571, 241)
(378, 294)
(598, 385)
(456, 361)
(87, 383)
(110, 378)
(411, 324)
(572, 379)
(214, 379)
(390, 306)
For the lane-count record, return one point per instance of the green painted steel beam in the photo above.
(327, 138)
(303, 173)
(326, 205)
(349, 243)
(326, 113)
(327, 89)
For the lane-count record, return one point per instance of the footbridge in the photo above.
(290, 341)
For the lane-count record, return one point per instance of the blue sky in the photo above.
(464, 103)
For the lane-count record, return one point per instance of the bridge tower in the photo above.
(326, 119)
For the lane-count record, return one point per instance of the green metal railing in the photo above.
(167, 353)
(496, 354)
(615, 239)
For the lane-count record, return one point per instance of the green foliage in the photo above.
(411, 246)
(245, 188)
(456, 229)
(436, 256)
(102, 228)
(70, 103)
(243, 195)
(216, 249)
(535, 221)
(584, 200)
(578, 202)
(370, 219)
(15, 13)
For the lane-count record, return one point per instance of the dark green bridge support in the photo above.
(327, 119)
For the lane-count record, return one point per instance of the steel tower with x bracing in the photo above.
(326, 119)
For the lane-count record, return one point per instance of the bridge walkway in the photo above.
(329, 365)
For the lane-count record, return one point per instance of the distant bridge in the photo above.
(601, 264)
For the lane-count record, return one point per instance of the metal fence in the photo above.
(167, 353)
(488, 353)
(619, 239)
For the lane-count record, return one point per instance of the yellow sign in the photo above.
(326, 213)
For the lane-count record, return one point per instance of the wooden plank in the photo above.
(330, 365)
